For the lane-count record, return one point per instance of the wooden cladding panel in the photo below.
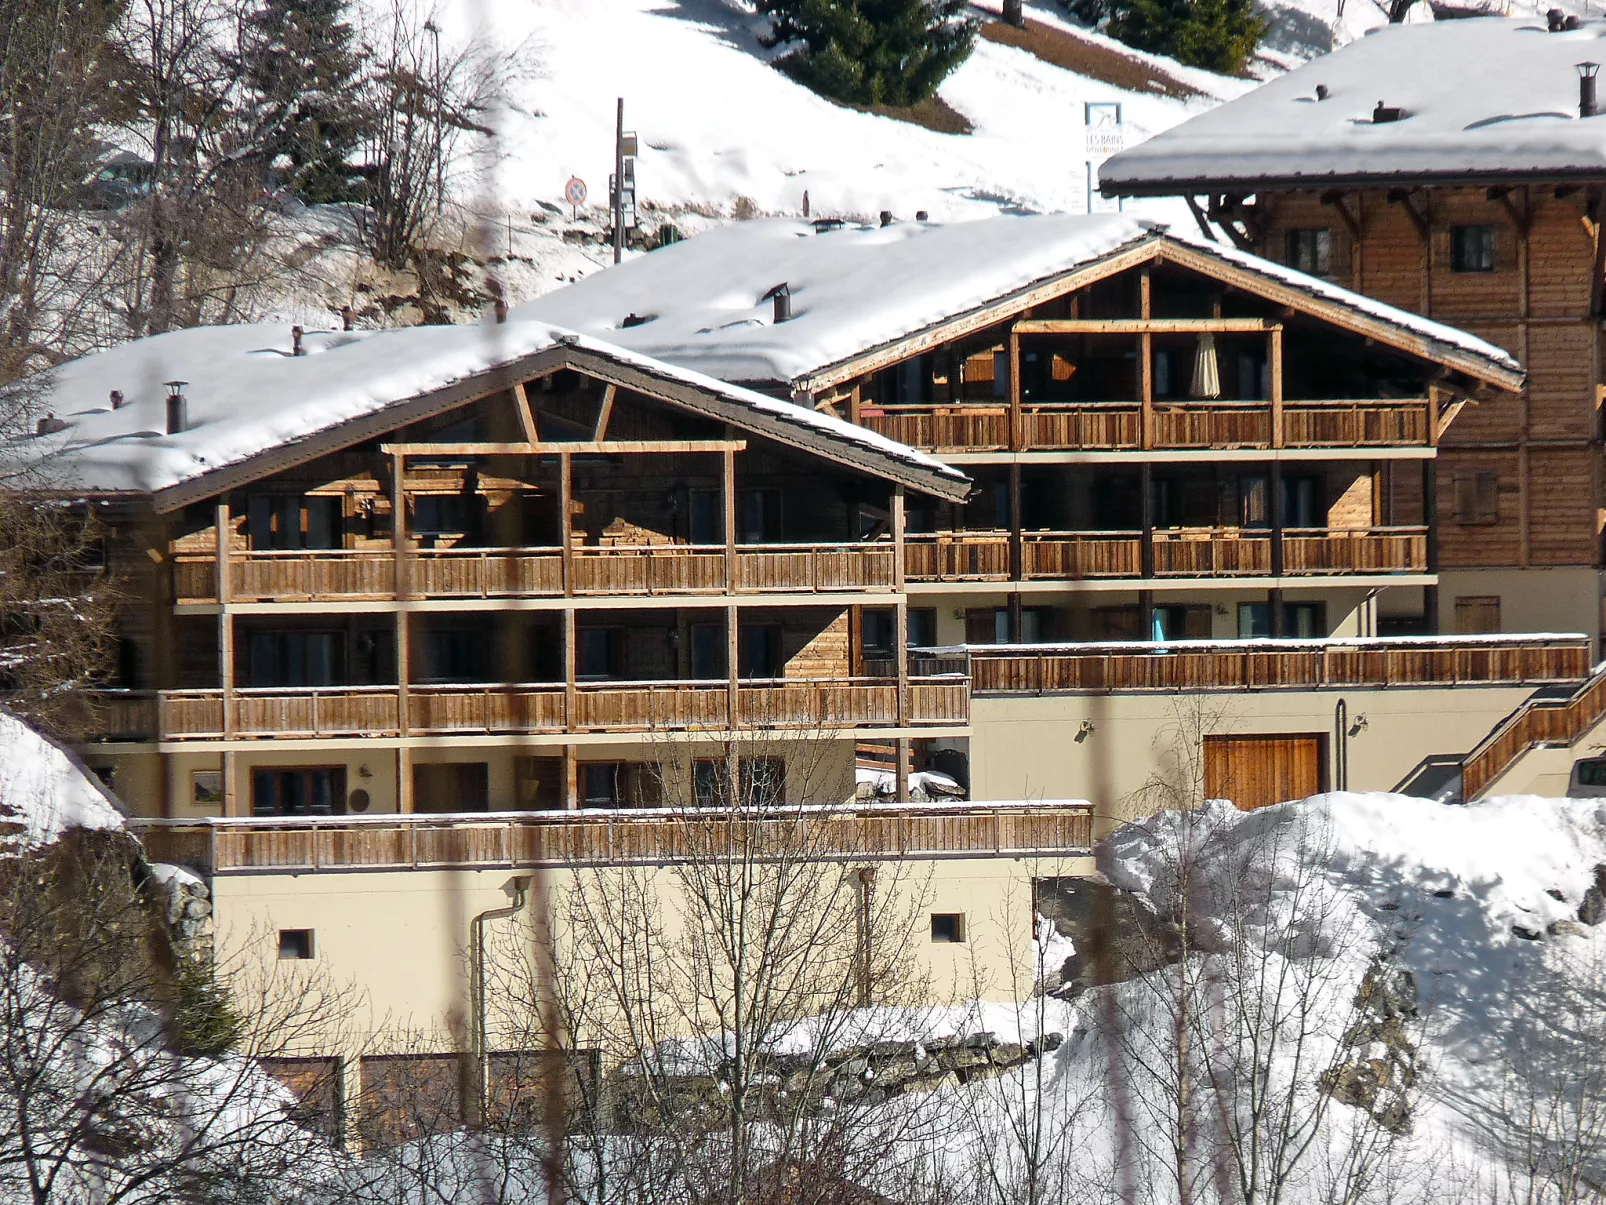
(1472, 545)
(1561, 386)
(573, 839)
(1258, 771)
(1562, 506)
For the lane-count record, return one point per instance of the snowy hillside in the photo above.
(44, 791)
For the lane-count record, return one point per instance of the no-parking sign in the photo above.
(574, 192)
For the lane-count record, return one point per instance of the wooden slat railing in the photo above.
(1264, 664)
(1212, 552)
(1536, 722)
(124, 715)
(1070, 555)
(328, 574)
(1355, 550)
(957, 556)
(1191, 423)
(512, 708)
(965, 830)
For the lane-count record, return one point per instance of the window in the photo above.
(1472, 248)
(1310, 249)
(447, 787)
(1590, 772)
(291, 521)
(762, 780)
(206, 788)
(299, 791)
(878, 634)
(1174, 621)
(911, 380)
(709, 781)
(600, 784)
(707, 526)
(1254, 620)
(296, 658)
(922, 627)
(758, 517)
(948, 928)
(758, 651)
(457, 655)
(1302, 502)
(1477, 614)
(1252, 499)
(295, 943)
(599, 653)
(1305, 621)
(1477, 499)
(1162, 374)
(707, 650)
(443, 514)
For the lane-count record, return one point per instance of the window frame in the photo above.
(1467, 258)
(959, 936)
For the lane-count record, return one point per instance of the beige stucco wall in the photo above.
(1531, 600)
(400, 938)
(1547, 770)
(1025, 747)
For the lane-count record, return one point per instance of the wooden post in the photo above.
(1014, 392)
(1146, 521)
(899, 521)
(1274, 373)
(604, 412)
(569, 691)
(1433, 416)
(853, 403)
(571, 779)
(1274, 487)
(404, 634)
(225, 655)
(1146, 361)
(1274, 611)
(1146, 614)
(1016, 552)
(728, 497)
(733, 688)
(566, 520)
(1430, 519)
(1016, 614)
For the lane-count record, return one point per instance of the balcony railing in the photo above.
(611, 706)
(984, 556)
(1187, 665)
(612, 838)
(1118, 425)
(337, 574)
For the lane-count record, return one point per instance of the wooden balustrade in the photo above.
(439, 709)
(1269, 664)
(1072, 555)
(957, 556)
(337, 574)
(124, 715)
(1187, 423)
(1212, 552)
(1358, 550)
(617, 838)
(1538, 721)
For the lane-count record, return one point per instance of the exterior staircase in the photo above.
(1544, 721)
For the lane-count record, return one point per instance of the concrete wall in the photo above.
(1531, 600)
(1025, 747)
(400, 938)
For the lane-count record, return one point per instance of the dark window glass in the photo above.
(1254, 619)
(1310, 249)
(877, 633)
(1472, 248)
(443, 514)
(706, 524)
(457, 655)
(707, 650)
(597, 652)
(293, 659)
(758, 651)
(1302, 502)
(948, 927)
(763, 780)
(1591, 773)
(1252, 494)
(288, 521)
(922, 627)
(708, 780)
(599, 784)
(317, 791)
(295, 943)
(1305, 621)
(758, 517)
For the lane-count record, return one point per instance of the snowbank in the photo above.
(45, 788)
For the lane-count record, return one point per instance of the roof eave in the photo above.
(1138, 187)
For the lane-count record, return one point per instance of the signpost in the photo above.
(574, 192)
(1104, 135)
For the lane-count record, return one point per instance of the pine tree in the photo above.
(1217, 35)
(298, 60)
(871, 52)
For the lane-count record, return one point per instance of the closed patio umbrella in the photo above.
(1206, 372)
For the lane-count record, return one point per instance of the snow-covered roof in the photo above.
(706, 301)
(45, 789)
(1482, 99)
(247, 395)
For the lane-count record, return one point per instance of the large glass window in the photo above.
(296, 659)
(298, 791)
(293, 521)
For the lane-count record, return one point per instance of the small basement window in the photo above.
(295, 943)
(948, 927)
(1472, 248)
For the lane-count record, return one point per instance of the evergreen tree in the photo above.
(1217, 35)
(298, 60)
(871, 52)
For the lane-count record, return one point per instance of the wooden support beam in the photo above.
(604, 413)
(1146, 522)
(404, 779)
(1016, 557)
(899, 525)
(571, 779)
(526, 412)
(404, 635)
(566, 521)
(1274, 487)
(1146, 390)
(570, 693)
(854, 402)
(1139, 326)
(1014, 392)
(727, 482)
(1274, 374)
(615, 447)
(733, 682)
(1199, 217)
(225, 654)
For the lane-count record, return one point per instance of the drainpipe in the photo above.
(517, 890)
(1341, 746)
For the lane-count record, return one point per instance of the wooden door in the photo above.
(1255, 771)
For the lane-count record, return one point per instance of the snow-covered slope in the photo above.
(46, 789)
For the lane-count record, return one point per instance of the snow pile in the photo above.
(45, 789)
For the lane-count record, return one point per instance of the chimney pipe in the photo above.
(178, 408)
(1321, 92)
(501, 311)
(782, 296)
(295, 342)
(117, 399)
(886, 217)
(346, 317)
(1586, 88)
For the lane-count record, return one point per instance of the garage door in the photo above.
(1254, 771)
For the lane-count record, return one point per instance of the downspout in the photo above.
(1341, 746)
(477, 985)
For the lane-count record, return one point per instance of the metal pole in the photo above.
(619, 185)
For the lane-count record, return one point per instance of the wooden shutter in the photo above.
(1477, 614)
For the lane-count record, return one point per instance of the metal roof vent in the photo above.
(1384, 114)
(1586, 88)
(178, 408)
(1322, 92)
(886, 217)
(781, 294)
(118, 401)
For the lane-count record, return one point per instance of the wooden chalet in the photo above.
(449, 569)
(1169, 439)
(1406, 167)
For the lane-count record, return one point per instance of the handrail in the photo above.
(1536, 722)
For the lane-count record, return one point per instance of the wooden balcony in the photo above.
(612, 838)
(526, 708)
(985, 556)
(1107, 426)
(327, 575)
(1265, 664)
